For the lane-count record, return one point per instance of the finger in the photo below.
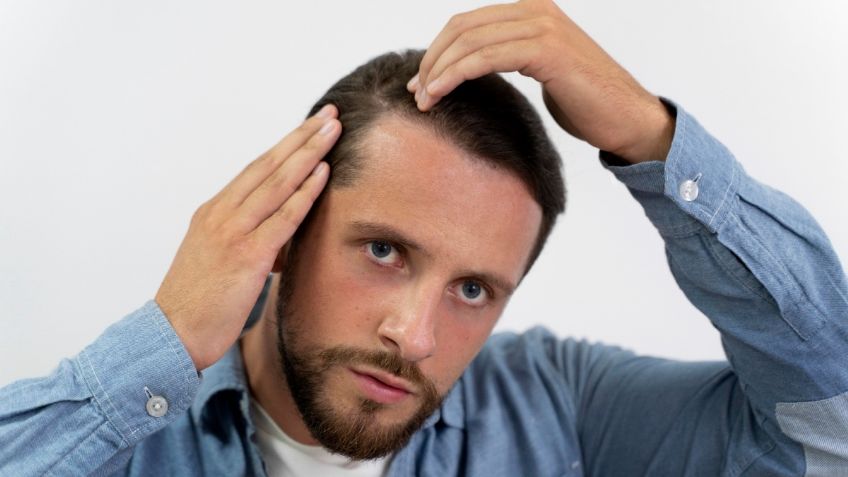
(461, 23)
(276, 189)
(259, 169)
(477, 38)
(502, 57)
(281, 226)
(412, 85)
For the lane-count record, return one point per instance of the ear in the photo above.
(280, 261)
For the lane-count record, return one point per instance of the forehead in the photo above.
(460, 209)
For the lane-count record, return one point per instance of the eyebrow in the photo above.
(391, 234)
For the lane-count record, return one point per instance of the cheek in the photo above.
(338, 298)
(459, 339)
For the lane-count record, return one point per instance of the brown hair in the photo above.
(487, 117)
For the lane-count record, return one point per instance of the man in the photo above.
(368, 357)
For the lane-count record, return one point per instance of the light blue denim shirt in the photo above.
(749, 257)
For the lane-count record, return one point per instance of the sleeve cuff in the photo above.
(699, 177)
(140, 351)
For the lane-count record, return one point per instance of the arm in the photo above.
(87, 415)
(749, 257)
(757, 264)
(141, 374)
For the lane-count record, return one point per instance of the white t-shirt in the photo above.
(285, 457)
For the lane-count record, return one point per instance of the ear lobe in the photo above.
(280, 261)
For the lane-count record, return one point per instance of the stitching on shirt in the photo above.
(676, 148)
(627, 170)
(106, 398)
(53, 469)
(729, 268)
(781, 267)
(164, 335)
(800, 294)
(683, 120)
(772, 447)
(815, 426)
(838, 289)
(797, 293)
(724, 198)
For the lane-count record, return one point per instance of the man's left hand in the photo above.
(587, 92)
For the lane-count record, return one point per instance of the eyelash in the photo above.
(398, 249)
(395, 249)
(489, 296)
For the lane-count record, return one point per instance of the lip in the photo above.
(381, 387)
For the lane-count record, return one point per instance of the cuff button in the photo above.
(157, 406)
(689, 189)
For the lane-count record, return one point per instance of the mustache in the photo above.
(384, 360)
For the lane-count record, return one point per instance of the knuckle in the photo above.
(314, 143)
(425, 66)
(468, 39)
(278, 182)
(306, 127)
(225, 235)
(288, 214)
(547, 24)
(201, 213)
(259, 163)
(487, 54)
(243, 247)
(456, 21)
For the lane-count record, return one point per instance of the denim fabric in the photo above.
(749, 257)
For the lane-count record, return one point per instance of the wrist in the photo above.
(655, 135)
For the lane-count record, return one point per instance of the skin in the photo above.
(234, 239)
(589, 95)
(453, 209)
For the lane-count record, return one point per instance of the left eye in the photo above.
(382, 252)
(472, 292)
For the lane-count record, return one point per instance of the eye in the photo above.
(382, 252)
(473, 293)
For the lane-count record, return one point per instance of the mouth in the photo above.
(382, 387)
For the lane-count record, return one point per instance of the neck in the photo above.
(265, 376)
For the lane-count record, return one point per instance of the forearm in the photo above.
(757, 264)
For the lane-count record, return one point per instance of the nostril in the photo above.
(390, 344)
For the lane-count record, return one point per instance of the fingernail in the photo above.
(433, 87)
(324, 113)
(412, 84)
(327, 128)
(424, 97)
(319, 168)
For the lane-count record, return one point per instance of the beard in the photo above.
(355, 433)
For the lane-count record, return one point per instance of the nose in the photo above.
(409, 327)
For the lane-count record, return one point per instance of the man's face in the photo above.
(396, 284)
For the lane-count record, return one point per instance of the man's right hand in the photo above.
(234, 238)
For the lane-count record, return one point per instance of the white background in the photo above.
(117, 119)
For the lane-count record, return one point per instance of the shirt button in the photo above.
(689, 190)
(157, 406)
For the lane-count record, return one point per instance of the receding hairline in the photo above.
(360, 150)
(359, 146)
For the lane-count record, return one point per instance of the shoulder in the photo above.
(540, 347)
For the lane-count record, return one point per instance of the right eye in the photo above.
(383, 253)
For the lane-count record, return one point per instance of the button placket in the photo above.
(157, 406)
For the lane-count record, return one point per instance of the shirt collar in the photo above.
(227, 374)
(452, 410)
